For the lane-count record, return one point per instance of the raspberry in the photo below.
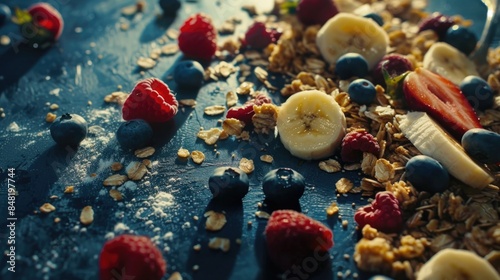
(150, 100)
(131, 257)
(245, 112)
(292, 236)
(357, 142)
(198, 37)
(258, 36)
(47, 17)
(312, 12)
(438, 23)
(384, 213)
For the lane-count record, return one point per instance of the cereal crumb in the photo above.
(47, 208)
(198, 157)
(87, 215)
(50, 117)
(69, 189)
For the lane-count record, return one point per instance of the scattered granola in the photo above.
(136, 170)
(210, 136)
(47, 208)
(116, 194)
(343, 185)
(183, 153)
(50, 117)
(146, 62)
(246, 165)
(115, 180)
(214, 110)
(330, 166)
(69, 189)
(215, 220)
(87, 215)
(267, 158)
(198, 157)
(219, 243)
(144, 152)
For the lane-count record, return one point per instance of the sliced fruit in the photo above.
(348, 33)
(431, 140)
(457, 264)
(441, 99)
(311, 124)
(449, 62)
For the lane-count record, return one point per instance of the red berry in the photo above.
(47, 17)
(312, 12)
(384, 213)
(292, 236)
(258, 36)
(245, 112)
(198, 37)
(355, 143)
(150, 100)
(437, 22)
(395, 64)
(131, 257)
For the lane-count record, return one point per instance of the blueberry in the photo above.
(69, 129)
(134, 134)
(362, 91)
(350, 65)
(283, 185)
(461, 38)
(482, 145)
(379, 277)
(228, 184)
(427, 174)
(478, 92)
(170, 7)
(189, 74)
(5, 14)
(376, 17)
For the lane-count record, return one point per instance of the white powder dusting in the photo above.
(161, 201)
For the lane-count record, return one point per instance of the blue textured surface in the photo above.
(47, 250)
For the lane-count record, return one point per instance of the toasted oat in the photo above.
(219, 243)
(187, 102)
(215, 220)
(197, 247)
(384, 171)
(47, 208)
(69, 189)
(87, 215)
(172, 33)
(53, 106)
(262, 215)
(245, 88)
(332, 209)
(144, 152)
(245, 135)
(246, 165)
(146, 62)
(50, 117)
(116, 194)
(170, 49)
(265, 117)
(267, 158)
(368, 163)
(183, 153)
(117, 97)
(231, 98)
(343, 185)
(147, 163)
(330, 166)
(224, 69)
(233, 126)
(352, 166)
(115, 180)
(116, 166)
(198, 157)
(136, 170)
(214, 110)
(175, 276)
(210, 136)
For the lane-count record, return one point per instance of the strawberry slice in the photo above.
(441, 99)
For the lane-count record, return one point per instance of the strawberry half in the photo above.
(441, 99)
(46, 16)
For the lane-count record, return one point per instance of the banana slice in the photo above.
(311, 124)
(431, 140)
(346, 33)
(447, 61)
(457, 264)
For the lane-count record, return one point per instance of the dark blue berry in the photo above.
(170, 7)
(427, 174)
(376, 17)
(5, 14)
(482, 145)
(69, 129)
(461, 38)
(379, 277)
(351, 65)
(478, 92)
(228, 184)
(362, 91)
(283, 185)
(189, 74)
(134, 134)
(438, 23)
